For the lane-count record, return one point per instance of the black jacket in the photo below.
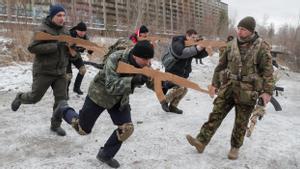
(185, 55)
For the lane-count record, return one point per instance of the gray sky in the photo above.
(277, 11)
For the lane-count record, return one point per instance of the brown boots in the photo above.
(194, 142)
(233, 153)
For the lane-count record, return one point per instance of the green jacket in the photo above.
(109, 87)
(247, 76)
(50, 57)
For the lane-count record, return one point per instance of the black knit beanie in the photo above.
(144, 29)
(143, 49)
(248, 23)
(81, 26)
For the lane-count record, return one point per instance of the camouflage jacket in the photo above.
(247, 75)
(108, 87)
(50, 58)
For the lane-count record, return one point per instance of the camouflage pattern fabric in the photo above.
(175, 94)
(108, 87)
(121, 44)
(258, 113)
(240, 78)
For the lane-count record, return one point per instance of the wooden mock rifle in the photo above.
(42, 36)
(207, 44)
(158, 78)
(152, 38)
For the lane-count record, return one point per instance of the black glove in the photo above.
(77, 48)
(139, 80)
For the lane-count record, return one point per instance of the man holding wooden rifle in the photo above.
(49, 66)
(178, 61)
(110, 91)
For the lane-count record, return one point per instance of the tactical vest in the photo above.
(244, 69)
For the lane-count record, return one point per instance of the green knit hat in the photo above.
(248, 23)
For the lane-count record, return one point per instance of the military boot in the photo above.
(55, 126)
(196, 143)
(164, 106)
(233, 153)
(109, 161)
(56, 119)
(174, 109)
(16, 103)
(77, 84)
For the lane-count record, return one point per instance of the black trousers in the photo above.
(90, 113)
(77, 63)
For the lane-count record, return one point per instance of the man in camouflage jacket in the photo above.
(244, 74)
(110, 91)
(49, 66)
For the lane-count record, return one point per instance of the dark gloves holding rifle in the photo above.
(139, 80)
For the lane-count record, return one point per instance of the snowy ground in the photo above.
(159, 137)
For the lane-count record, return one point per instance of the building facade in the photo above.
(208, 17)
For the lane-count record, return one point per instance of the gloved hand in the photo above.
(139, 80)
(77, 48)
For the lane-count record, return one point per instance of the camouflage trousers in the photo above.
(175, 94)
(221, 108)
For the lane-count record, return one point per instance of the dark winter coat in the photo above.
(51, 57)
(185, 55)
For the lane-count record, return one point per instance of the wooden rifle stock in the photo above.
(158, 77)
(207, 44)
(42, 36)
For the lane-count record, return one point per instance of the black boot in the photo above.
(55, 126)
(77, 84)
(56, 119)
(16, 103)
(174, 109)
(109, 161)
(164, 106)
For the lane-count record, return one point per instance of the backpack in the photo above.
(121, 44)
(168, 60)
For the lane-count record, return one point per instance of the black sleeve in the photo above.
(201, 54)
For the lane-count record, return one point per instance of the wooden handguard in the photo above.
(158, 78)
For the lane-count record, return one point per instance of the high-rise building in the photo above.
(208, 17)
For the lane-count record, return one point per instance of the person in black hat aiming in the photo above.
(243, 76)
(49, 66)
(110, 91)
(78, 31)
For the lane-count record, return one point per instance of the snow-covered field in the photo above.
(159, 137)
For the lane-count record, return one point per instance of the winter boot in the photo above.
(77, 84)
(174, 109)
(113, 163)
(56, 119)
(196, 143)
(164, 106)
(55, 127)
(233, 153)
(16, 103)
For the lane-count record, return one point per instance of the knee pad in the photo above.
(82, 70)
(75, 124)
(69, 76)
(124, 131)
